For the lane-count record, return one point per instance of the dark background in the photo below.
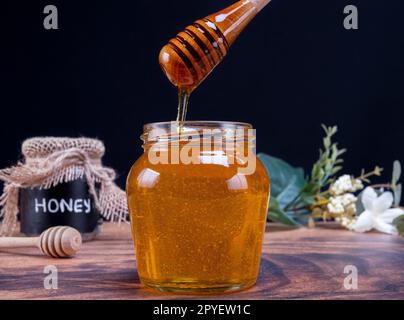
(292, 69)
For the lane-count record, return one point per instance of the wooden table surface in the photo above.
(296, 264)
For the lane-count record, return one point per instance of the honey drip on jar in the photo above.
(193, 54)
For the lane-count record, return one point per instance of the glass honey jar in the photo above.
(198, 200)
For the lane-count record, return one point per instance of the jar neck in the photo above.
(206, 135)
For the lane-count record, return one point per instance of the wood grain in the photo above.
(296, 264)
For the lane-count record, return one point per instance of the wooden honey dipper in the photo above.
(189, 57)
(56, 242)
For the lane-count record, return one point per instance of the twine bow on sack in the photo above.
(59, 167)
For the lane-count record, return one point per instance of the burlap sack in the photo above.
(50, 161)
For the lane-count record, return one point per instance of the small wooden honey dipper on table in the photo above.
(189, 57)
(56, 242)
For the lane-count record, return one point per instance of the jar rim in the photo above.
(201, 124)
(173, 131)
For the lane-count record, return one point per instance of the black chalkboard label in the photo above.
(67, 204)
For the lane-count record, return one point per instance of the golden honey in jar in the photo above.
(198, 200)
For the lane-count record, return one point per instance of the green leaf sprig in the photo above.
(292, 193)
(299, 199)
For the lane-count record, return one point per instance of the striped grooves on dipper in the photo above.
(201, 47)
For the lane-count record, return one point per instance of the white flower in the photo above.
(378, 213)
(346, 222)
(357, 185)
(335, 206)
(342, 204)
(348, 199)
(345, 184)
